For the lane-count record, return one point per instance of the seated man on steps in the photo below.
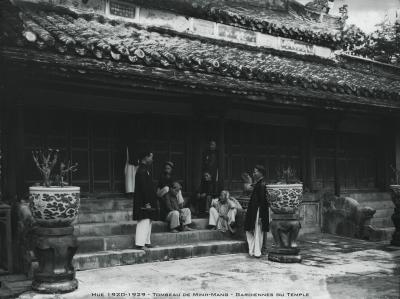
(177, 215)
(223, 212)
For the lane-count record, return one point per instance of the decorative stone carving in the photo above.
(54, 206)
(284, 201)
(346, 217)
(55, 248)
(25, 225)
(53, 242)
(285, 230)
(395, 192)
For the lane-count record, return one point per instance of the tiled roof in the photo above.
(61, 31)
(296, 23)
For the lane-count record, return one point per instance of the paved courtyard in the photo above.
(332, 267)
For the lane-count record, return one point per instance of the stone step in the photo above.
(369, 196)
(6, 293)
(382, 222)
(381, 234)
(378, 204)
(15, 288)
(106, 204)
(104, 216)
(384, 213)
(120, 242)
(127, 227)
(162, 253)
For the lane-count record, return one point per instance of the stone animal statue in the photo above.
(25, 226)
(345, 216)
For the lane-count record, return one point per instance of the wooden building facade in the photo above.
(91, 84)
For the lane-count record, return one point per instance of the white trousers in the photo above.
(219, 222)
(143, 232)
(174, 221)
(255, 238)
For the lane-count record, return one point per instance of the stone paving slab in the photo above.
(333, 267)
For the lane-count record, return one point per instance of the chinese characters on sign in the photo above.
(296, 46)
(122, 9)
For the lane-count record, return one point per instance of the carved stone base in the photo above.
(285, 229)
(280, 258)
(396, 215)
(395, 239)
(55, 248)
(55, 287)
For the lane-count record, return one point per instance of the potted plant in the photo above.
(53, 203)
(285, 194)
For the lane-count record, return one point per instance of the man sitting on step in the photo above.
(177, 215)
(223, 212)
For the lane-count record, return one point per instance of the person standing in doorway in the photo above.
(210, 164)
(257, 216)
(144, 206)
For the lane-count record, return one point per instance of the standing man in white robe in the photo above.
(257, 216)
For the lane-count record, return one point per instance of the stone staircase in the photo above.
(105, 234)
(382, 224)
(12, 285)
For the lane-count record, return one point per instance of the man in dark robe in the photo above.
(144, 206)
(210, 164)
(257, 216)
(204, 195)
(166, 179)
(177, 215)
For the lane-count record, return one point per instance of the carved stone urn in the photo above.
(54, 209)
(54, 206)
(284, 201)
(395, 192)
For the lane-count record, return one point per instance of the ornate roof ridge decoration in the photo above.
(386, 67)
(89, 35)
(297, 23)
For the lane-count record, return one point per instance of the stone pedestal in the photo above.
(54, 249)
(395, 192)
(396, 220)
(285, 229)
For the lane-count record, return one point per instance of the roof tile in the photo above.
(89, 35)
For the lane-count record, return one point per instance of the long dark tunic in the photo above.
(258, 200)
(144, 193)
(210, 165)
(165, 180)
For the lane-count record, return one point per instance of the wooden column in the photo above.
(386, 154)
(336, 157)
(309, 155)
(10, 155)
(20, 151)
(2, 143)
(196, 154)
(397, 143)
(221, 151)
(14, 188)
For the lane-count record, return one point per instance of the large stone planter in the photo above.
(54, 206)
(54, 245)
(395, 192)
(285, 225)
